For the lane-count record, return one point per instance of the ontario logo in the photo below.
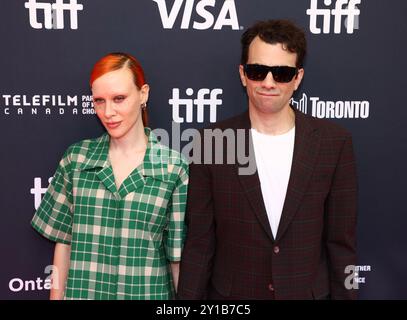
(40, 283)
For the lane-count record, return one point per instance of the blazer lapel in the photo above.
(251, 186)
(306, 145)
(251, 183)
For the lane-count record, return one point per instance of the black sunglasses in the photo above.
(258, 72)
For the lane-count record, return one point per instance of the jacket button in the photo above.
(276, 249)
(270, 286)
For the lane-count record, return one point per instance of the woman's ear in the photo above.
(145, 89)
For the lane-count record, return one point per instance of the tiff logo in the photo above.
(343, 8)
(200, 102)
(226, 17)
(38, 191)
(53, 13)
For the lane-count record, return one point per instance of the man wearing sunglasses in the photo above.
(288, 231)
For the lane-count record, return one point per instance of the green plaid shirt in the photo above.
(122, 240)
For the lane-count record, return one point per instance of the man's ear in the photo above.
(242, 75)
(298, 78)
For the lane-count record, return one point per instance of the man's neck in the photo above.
(272, 123)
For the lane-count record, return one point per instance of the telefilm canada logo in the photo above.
(53, 13)
(198, 15)
(344, 12)
(319, 108)
(43, 105)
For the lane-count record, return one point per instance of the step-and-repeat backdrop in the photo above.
(190, 50)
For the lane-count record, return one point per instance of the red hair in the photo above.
(118, 60)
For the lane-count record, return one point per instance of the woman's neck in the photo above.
(134, 141)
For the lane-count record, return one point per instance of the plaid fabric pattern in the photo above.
(230, 251)
(121, 239)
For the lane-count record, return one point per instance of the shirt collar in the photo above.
(155, 162)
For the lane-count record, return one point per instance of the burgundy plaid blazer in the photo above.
(230, 251)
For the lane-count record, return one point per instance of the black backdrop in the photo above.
(354, 76)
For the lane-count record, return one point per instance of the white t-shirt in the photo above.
(274, 155)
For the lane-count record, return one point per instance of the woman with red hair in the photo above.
(116, 204)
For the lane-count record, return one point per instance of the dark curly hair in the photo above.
(276, 31)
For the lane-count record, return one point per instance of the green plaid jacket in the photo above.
(121, 240)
